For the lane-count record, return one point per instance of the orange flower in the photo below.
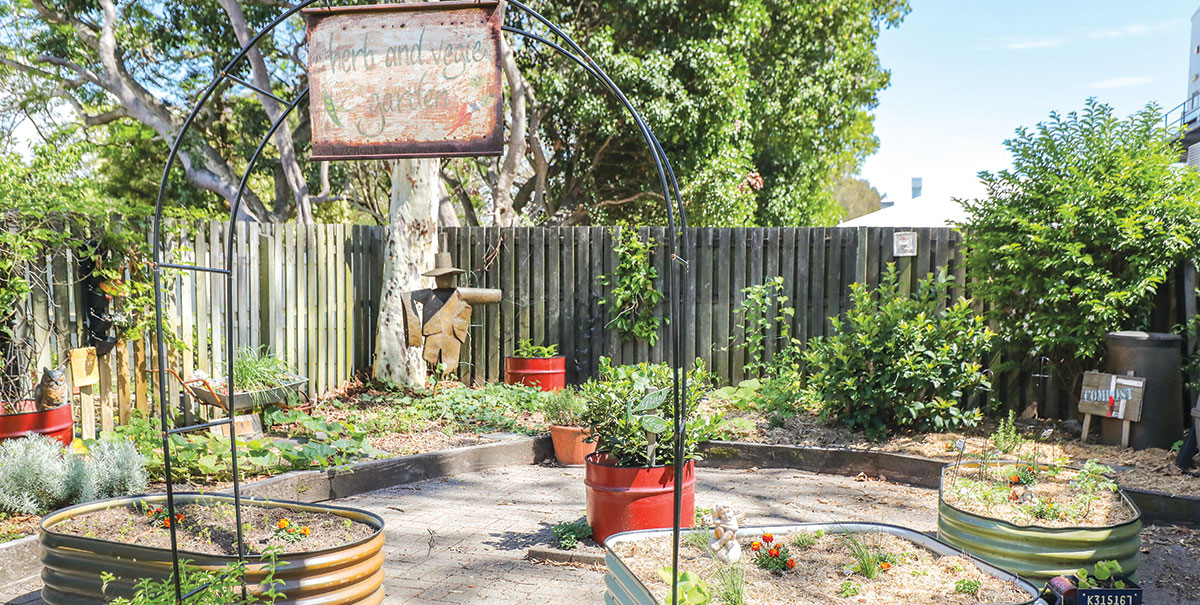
(768, 538)
(283, 523)
(178, 517)
(1014, 479)
(884, 565)
(304, 531)
(774, 552)
(755, 545)
(166, 523)
(791, 564)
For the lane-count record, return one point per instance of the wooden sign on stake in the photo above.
(405, 80)
(1111, 396)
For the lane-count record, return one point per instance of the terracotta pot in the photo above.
(569, 445)
(55, 423)
(641, 497)
(546, 373)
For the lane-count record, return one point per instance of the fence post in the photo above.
(860, 257)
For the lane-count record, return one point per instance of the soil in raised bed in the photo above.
(1108, 508)
(921, 576)
(211, 528)
(1151, 469)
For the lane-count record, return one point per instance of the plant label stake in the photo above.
(959, 445)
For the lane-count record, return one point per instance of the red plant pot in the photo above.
(640, 497)
(55, 423)
(546, 373)
(569, 446)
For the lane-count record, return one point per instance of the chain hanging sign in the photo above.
(405, 80)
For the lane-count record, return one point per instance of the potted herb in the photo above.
(1062, 517)
(536, 366)
(630, 479)
(259, 379)
(564, 412)
(1102, 587)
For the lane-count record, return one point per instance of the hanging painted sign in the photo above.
(405, 80)
(1112, 396)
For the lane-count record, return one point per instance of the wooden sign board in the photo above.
(1112, 396)
(405, 80)
(85, 371)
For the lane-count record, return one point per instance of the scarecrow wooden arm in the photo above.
(480, 296)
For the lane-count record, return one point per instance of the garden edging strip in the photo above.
(20, 559)
(1157, 508)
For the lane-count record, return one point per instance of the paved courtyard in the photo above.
(464, 539)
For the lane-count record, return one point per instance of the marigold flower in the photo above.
(304, 531)
(774, 552)
(791, 564)
(166, 523)
(1015, 479)
(884, 565)
(755, 545)
(768, 538)
(178, 517)
(283, 523)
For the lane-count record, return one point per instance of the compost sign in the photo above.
(405, 80)
(1112, 396)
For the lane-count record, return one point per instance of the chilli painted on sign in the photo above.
(405, 80)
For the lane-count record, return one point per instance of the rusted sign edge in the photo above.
(367, 8)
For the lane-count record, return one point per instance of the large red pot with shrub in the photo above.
(630, 480)
(21, 418)
(536, 367)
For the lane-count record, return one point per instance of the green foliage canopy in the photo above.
(1074, 241)
(761, 105)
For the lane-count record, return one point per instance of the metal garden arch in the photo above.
(670, 187)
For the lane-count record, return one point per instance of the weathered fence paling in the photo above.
(312, 297)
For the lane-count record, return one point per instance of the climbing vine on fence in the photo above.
(633, 297)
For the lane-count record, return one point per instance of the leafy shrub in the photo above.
(563, 408)
(527, 350)
(1006, 438)
(1075, 240)
(569, 533)
(37, 475)
(900, 362)
(619, 392)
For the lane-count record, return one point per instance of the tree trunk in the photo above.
(411, 244)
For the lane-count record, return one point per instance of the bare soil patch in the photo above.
(211, 528)
(919, 577)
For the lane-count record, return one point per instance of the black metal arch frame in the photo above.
(676, 315)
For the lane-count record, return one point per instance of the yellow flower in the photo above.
(283, 523)
(304, 530)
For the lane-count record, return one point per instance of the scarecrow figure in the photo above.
(445, 314)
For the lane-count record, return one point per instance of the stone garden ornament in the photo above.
(443, 317)
(724, 544)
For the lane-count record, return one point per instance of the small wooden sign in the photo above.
(85, 371)
(1112, 396)
(405, 80)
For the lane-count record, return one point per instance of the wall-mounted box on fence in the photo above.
(904, 243)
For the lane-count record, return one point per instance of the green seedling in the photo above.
(848, 589)
(967, 586)
(691, 589)
(1104, 575)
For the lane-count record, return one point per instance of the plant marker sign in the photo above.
(405, 81)
(1112, 396)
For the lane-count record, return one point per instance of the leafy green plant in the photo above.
(1006, 438)
(698, 539)
(633, 297)
(691, 589)
(1104, 575)
(258, 369)
(527, 350)
(493, 407)
(849, 589)
(563, 407)
(1075, 240)
(807, 539)
(38, 475)
(965, 586)
(626, 405)
(731, 589)
(219, 587)
(764, 317)
(569, 533)
(897, 362)
(869, 559)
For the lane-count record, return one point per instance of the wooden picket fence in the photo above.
(310, 294)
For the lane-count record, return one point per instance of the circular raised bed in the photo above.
(351, 573)
(623, 587)
(55, 422)
(1036, 552)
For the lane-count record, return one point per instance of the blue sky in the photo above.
(965, 74)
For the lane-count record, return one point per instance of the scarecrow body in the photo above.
(445, 315)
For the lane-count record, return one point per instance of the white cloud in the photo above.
(1136, 29)
(1126, 82)
(1026, 44)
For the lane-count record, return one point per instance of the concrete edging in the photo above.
(19, 557)
(1157, 508)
